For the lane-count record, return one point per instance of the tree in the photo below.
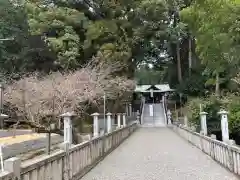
(145, 75)
(61, 27)
(129, 32)
(39, 97)
(208, 22)
(12, 25)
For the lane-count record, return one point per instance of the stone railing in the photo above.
(68, 164)
(226, 154)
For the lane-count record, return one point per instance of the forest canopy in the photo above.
(193, 45)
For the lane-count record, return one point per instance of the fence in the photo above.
(226, 154)
(72, 163)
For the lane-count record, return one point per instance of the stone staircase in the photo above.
(153, 115)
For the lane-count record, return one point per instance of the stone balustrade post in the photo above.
(230, 154)
(186, 121)
(127, 110)
(201, 141)
(163, 99)
(109, 122)
(67, 118)
(213, 136)
(118, 120)
(169, 117)
(65, 146)
(193, 129)
(95, 124)
(231, 142)
(130, 109)
(224, 125)
(212, 146)
(138, 117)
(13, 165)
(203, 116)
(2, 117)
(124, 119)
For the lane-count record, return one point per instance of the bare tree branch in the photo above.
(58, 92)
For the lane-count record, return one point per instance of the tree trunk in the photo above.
(190, 54)
(179, 68)
(217, 90)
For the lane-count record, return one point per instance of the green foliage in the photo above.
(60, 35)
(211, 22)
(192, 109)
(193, 86)
(212, 106)
(11, 20)
(232, 103)
(145, 76)
(58, 24)
(215, 26)
(234, 117)
(129, 32)
(213, 119)
(13, 27)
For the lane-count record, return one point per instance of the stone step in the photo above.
(153, 125)
(157, 120)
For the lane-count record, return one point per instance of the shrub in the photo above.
(192, 110)
(193, 86)
(212, 106)
(234, 116)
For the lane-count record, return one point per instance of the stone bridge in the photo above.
(134, 153)
(158, 154)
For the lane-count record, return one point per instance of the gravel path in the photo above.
(6, 133)
(158, 154)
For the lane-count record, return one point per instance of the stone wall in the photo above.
(68, 164)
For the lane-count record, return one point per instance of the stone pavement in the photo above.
(158, 154)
